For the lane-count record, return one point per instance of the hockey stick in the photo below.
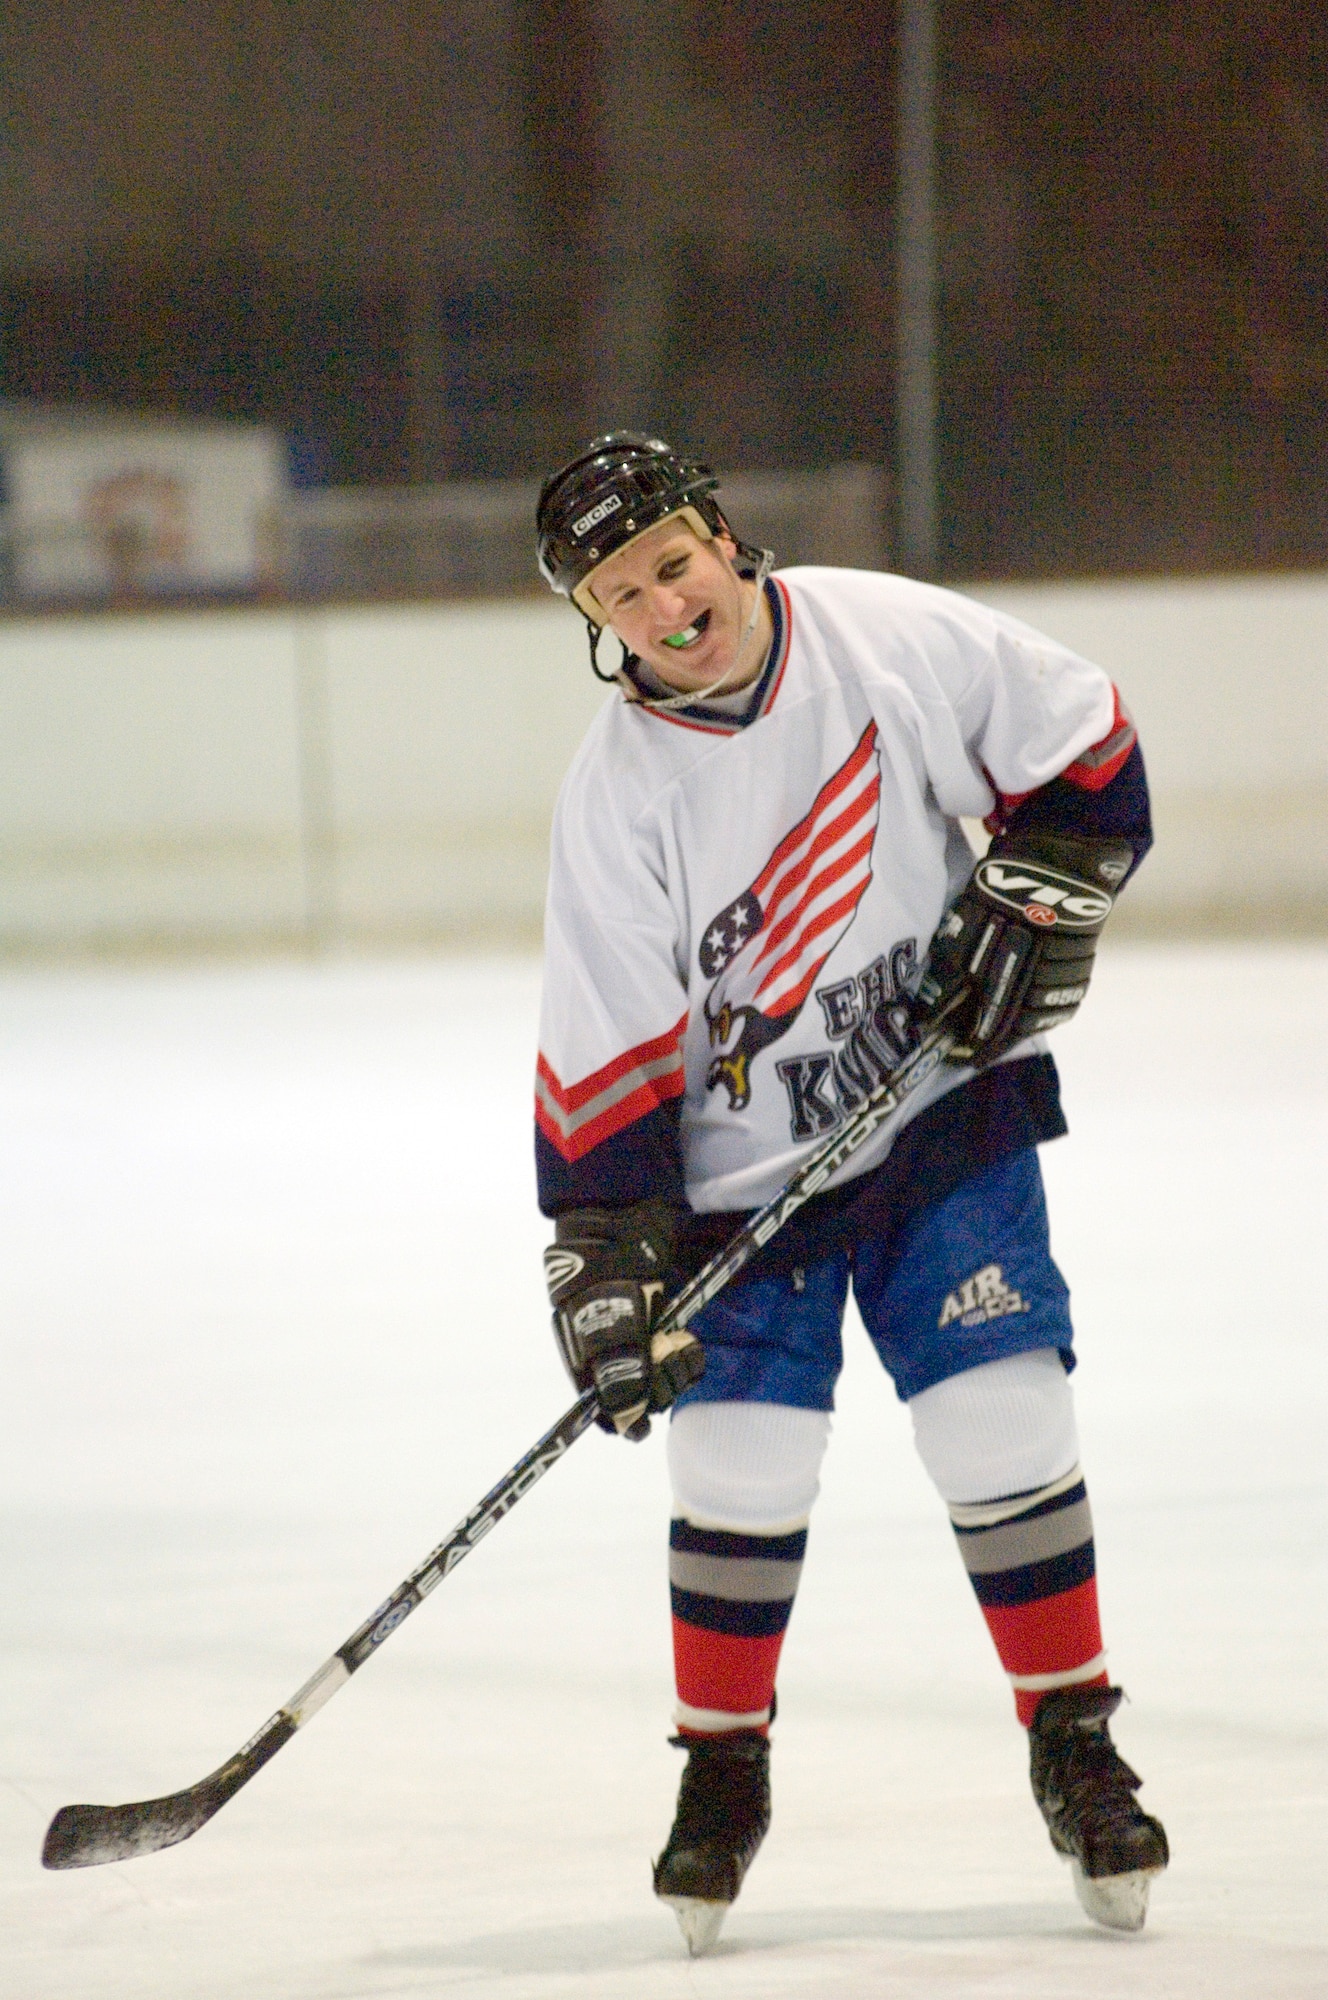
(81, 1836)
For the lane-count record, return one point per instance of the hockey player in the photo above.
(760, 895)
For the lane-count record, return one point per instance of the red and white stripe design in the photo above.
(1098, 765)
(724, 1680)
(1052, 1642)
(809, 891)
(577, 1116)
(1092, 770)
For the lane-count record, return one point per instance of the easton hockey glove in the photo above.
(610, 1273)
(1014, 954)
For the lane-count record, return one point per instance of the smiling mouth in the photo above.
(680, 641)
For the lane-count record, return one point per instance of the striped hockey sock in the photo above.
(1031, 1563)
(732, 1595)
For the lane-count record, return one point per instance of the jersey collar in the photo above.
(764, 690)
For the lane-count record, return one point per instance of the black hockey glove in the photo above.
(1014, 954)
(610, 1274)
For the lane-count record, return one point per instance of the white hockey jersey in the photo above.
(730, 899)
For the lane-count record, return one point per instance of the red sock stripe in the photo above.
(724, 1671)
(1049, 1636)
(1052, 1635)
(1027, 1699)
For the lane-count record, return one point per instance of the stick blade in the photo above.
(84, 1836)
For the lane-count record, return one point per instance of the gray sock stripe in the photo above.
(738, 1579)
(1015, 1544)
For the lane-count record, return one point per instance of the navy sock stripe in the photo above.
(721, 1614)
(718, 1542)
(1070, 1498)
(1034, 1580)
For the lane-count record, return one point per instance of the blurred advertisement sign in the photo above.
(109, 506)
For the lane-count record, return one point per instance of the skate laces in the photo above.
(723, 1789)
(1094, 1779)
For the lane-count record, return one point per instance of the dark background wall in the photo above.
(438, 240)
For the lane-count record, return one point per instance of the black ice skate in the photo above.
(723, 1813)
(1086, 1793)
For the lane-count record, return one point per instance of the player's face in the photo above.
(679, 604)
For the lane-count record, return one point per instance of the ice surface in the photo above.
(273, 1320)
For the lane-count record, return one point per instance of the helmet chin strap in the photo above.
(691, 696)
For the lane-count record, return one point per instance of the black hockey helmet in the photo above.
(621, 485)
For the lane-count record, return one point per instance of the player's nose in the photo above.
(669, 604)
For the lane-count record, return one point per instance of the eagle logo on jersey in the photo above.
(765, 949)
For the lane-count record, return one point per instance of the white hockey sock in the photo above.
(752, 1468)
(1005, 1427)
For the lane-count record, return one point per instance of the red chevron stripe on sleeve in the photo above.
(1098, 765)
(576, 1117)
(1092, 770)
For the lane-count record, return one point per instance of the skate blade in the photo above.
(699, 1921)
(1119, 1902)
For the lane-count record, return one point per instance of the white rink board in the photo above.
(250, 778)
(1227, 678)
(268, 1332)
